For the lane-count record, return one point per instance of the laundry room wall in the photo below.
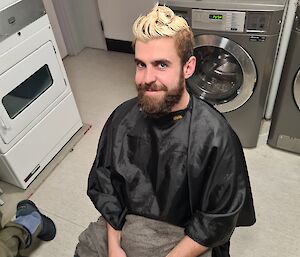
(118, 16)
(89, 26)
(56, 28)
(80, 24)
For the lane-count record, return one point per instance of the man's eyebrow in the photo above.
(155, 62)
(166, 61)
(136, 60)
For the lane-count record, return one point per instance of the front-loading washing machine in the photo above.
(285, 125)
(235, 47)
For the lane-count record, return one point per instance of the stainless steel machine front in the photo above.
(235, 47)
(285, 125)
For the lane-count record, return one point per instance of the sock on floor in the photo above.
(30, 221)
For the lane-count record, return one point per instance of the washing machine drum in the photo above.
(218, 75)
(222, 76)
(297, 89)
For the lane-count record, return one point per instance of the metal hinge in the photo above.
(54, 49)
(101, 25)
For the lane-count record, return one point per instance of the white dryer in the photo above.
(236, 43)
(38, 114)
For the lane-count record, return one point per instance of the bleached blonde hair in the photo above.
(162, 22)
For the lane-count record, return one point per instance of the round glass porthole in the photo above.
(225, 74)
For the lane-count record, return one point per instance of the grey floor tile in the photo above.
(64, 193)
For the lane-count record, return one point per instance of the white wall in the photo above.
(88, 21)
(118, 16)
(80, 24)
(56, 28)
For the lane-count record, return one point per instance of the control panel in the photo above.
(218, 20)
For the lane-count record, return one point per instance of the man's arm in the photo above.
(187, 247)
(113, 242)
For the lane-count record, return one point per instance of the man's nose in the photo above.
(150, 76)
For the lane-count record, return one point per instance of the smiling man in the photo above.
(160, 77)
(169, 178)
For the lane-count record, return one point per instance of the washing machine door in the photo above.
(297, 89)
(225, 74)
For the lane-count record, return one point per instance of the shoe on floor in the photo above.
(48, 229)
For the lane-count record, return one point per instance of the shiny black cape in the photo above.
(187, 169)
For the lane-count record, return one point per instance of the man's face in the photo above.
(159, 76)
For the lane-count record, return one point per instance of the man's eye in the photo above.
(140, 65)
(162, 65)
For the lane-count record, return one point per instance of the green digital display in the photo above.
(216, 17)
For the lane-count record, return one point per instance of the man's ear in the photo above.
(189, 67)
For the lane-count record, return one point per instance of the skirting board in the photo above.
(119, 45)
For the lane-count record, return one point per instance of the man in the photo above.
(29, 223)
(169, 177)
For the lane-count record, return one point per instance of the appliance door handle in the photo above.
(6, 127)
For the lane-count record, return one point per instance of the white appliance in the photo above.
(38, 114)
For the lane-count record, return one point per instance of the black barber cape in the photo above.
(187, 169)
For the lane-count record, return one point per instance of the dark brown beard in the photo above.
(158, 108)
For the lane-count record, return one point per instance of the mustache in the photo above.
(151, 87)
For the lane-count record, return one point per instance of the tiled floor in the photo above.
(101, 81)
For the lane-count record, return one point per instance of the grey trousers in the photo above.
(139, 237)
